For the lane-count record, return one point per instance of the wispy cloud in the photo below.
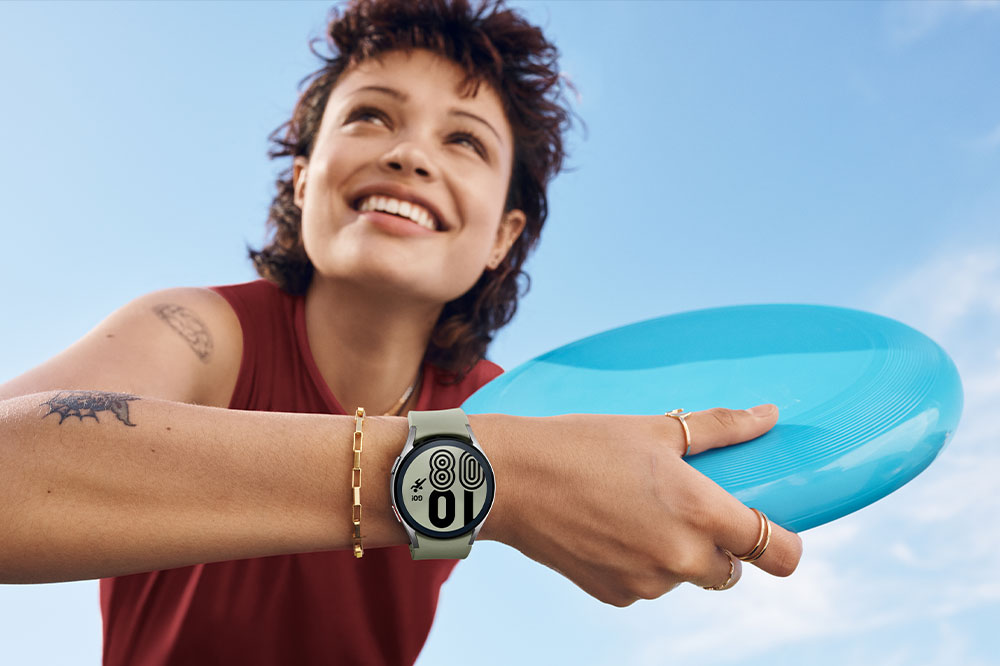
(909, 22)
(944, 295)
(990, 141)
(924, 554)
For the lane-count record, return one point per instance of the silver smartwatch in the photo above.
(442, 485)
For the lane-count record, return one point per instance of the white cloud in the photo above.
(947, 292)
(978, 5)
(953, 648)
(983, 144)
(922, 555)
(992, 140)
(908, 22)
(904, 553)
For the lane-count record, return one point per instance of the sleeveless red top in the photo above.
(310, 608)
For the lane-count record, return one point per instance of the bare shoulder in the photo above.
(204, 323)
(182, 344)
(203, 319)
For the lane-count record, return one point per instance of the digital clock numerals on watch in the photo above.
(446, 488)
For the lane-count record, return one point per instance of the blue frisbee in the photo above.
(866, 402)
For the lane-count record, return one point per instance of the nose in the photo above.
(406, 157)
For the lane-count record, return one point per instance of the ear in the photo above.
(299, 165)
(508, 232)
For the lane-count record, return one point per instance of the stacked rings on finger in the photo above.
(681, 416)
(729, 580)
(762, 541)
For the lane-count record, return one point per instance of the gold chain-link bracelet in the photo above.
(359, 419)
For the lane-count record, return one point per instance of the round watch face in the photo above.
(444, 488)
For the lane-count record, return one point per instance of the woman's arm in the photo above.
(609, 502)
(176, 344)
(96, 484)
(605, 500)
(147, 484)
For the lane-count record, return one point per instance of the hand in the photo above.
(609, 502)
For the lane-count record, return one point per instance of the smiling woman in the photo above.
(222, 508)
(418, 144)
(499, 97)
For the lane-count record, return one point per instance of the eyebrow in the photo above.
(402, 97)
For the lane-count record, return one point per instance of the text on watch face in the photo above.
(444, 489)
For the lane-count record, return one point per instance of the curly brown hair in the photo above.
(491, 43)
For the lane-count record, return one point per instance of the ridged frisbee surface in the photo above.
(866, 402)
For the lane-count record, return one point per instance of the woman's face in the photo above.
(406, 184)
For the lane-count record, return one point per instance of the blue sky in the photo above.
(836, 153)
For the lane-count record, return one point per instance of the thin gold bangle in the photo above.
(359, 419)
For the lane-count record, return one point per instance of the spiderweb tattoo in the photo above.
(82, 404)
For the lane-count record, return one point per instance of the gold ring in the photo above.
(762, 541)
(729, 580)
(681, 416)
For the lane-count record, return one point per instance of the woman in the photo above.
(421, 154)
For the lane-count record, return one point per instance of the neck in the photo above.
(368, 351)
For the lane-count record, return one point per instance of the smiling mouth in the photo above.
(400, 208)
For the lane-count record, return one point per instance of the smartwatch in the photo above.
(442, 485)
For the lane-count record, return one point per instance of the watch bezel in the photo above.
(419, 448)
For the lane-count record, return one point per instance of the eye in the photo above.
(471, 140)
(368, 114)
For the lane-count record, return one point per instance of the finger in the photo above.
(723, 572)
(747, 536)
(736, 527)
(714, 428)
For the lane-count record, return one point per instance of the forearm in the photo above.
(186, 484)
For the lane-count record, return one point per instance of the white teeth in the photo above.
(407, 209)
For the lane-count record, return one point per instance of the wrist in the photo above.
(501, 440)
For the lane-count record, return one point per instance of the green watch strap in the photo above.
(440, 422)
(441, 549)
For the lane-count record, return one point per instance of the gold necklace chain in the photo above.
(398, 406)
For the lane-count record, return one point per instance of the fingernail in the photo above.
(761, 410)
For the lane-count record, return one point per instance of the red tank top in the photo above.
(310, 608)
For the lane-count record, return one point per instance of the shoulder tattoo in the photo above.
(82, 404)
(188, 326)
